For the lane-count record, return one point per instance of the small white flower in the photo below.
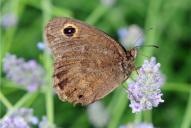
(9, 20)
(28, 74)
(108, 3)
(131, 36)
(41, 45)
(98, 115)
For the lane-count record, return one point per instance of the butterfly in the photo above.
(88, 64)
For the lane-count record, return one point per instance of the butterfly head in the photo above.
(133, 52)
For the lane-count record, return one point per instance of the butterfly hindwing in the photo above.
(88, 63)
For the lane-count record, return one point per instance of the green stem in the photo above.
(151, 22)
(10, 84)
(16, 7)
(97, 14)
(26, 98)
(179, 87)
(32, 99)
(147, 115)
(49, 104)
(138, 117)
(56, 11)
(5, 101)
(187, 116)
(11, 87)
(61, 12)
(46, 7)
(49, 97)
(118, 109)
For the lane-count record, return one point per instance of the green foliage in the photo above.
(170, 21)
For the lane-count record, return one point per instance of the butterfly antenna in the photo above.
(151, 45)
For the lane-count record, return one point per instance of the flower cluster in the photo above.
(97, 114)
(137, 125)
(131, 36)
(28, 74)
(24, 118)
(144, 93)
(9, 20)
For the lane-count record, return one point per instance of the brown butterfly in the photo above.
(89, 64)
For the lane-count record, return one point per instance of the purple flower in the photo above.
(9, 20)
(29, 74)
(21, 118)
(144, 93)
(97, 114)
(14, 123)
(137, 125)
(24, 118)
(131, 36)
(108, 3)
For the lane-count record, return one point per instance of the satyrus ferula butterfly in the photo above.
(88, 64)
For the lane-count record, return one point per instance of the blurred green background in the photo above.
(170, 21)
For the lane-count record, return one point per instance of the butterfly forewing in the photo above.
(88, 63)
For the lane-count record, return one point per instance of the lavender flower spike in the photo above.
(21, 118)
(137, 125)
(27, 74)
(8, 20)
(108, 3)
(144, 93)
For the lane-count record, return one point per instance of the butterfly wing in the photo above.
(88, 63)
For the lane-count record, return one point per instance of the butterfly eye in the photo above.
(69, 31)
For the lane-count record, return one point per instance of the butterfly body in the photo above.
(88, 63)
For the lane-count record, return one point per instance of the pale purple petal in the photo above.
(29, 75)
(108, 2)
(137, 125)
(20, 118)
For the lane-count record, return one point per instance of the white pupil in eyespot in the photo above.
(69, 31)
